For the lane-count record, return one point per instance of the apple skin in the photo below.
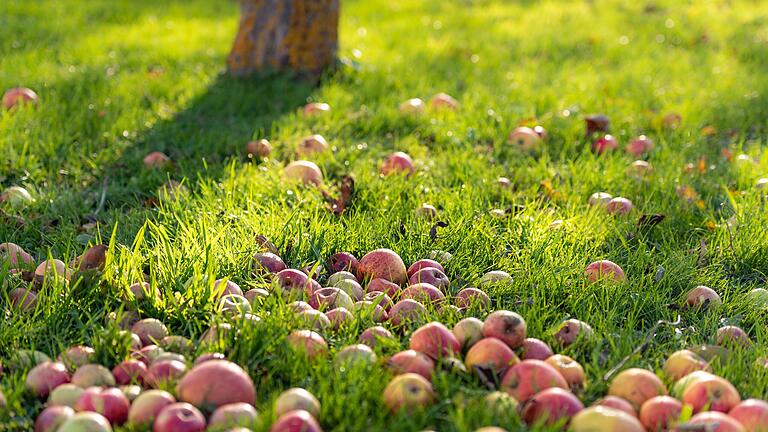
(619, 206)
(329, 298)
(268, 263)
(535, 349)
(715, 392)
(407, 311)
(660, 412)
(382, 285)
(85, 422)
(423, 293)
(681, 363)
(150, 330)
(308, 342)
(292, 283)
(380, 299)
(617, 403)
(701, 297)
(600, 198)
(156, 159)
(382, 263)
(163, 372)
(209, 356)
(524, 138)
(637, 386)
(435, 340)
(14, 256)
(148, 405)
(605, 144)
(429, 275)
(639, 146)
(54, 268)
(297, 399)
(495, 277)
(408, 392)
(109, 402)
(19, 96)
(371, 310)
(507, 326)
(312, 144)
(639, 169)
(422, 264)
(717, 421)
(752, 414)
(444, 101)
(316, 108)
(215, 383)
(410, 361)
(732, 335)
(472, 297)
(414, 106)
(260, 148)
(571, 330)
(528, 377)
(343, 261)
(597, 123)
(129, 371)
(604, 269)
(372, 336)
(147, 354)
(231, 415)
(350, 287)
(604, 419)
(491, 353)
(355, 354)
(76, 356)
(314, 319)
(570, 369)
(305, 171)
(679, 387)
(296, 421)
(179, 417)
(339, 276)
(339, 317)
(52, 417)
(45, 377)
(468, 332)
(551, 406)
(65, 395)
(398, 162)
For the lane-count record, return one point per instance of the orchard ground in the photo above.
(120, 79)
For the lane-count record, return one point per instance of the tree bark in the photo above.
(296, 35)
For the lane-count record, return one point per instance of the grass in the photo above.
(122, 78)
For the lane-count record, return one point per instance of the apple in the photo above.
(355, 354)
(495, 277)
(444, 101)
(169, 356)
(327, 298)
(214, 383)
(758, 296)
(267, 263)
(637, 386)
(54, 269)
(260, 148)
(316, 108)
(504, 182)
(85, 422)
(23, 299)
(305, 171)
(372, 336)
(14, 256)
(179, 417)
(292, 283)
(150, 330)
(16, 197)
(27, 359)
(175, 343)
(422, 264)
(597, 123)
(540, 131)
(468, 332)
(524, 138)
(133, 337)
(314, 319)
(570, 369)
(109, 402)
(500, 403)
(752, 414)
(256, 296)
(713, 392)
(604, 269)
(550, 406)
(19, 96)
(351, 287)
(679, 387)
(163, 372)
(231, 415)
(148, 405)
(412, 106)
(223, 287)
(380, 299)
(431, 276)
(129, 371)
(472, 297)
(370, 309)
(604, 419)
(296, 421)
(210, 356)
(312, 144)
(147, 354)
(3, 402)
(339, 276)
(131, 392)
(535, 349)
(435, 340)
(714, 422)
(142, 290)
(618, 403)
(681, 363)
(600, 198)
(639, 168)
(339, 317)
(45, 377)
(570, 330)
(308, 342)
(299, 306)
(423, 293)
(52, 417)
(156, 159)
(411, 361)
(426, 211)
(732, 335)
(233, 305)
(639, 146)
(701, 297)
(343, 262)
(406, 312)
(507, 326)
(297, 399)
(397, 163)
(408, 392)
(660, 412)
(619, 206)
(604, 144)
(124, 320)
(383, 285)
(65, 395)
(556, 224)
(95, 258)
(491, 354)
(528, 377)
(382, 263)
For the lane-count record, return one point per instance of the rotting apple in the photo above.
(702, 297)
(468, 332)
(535, 349)
(490, 354)
(571, 330)
(507, 326)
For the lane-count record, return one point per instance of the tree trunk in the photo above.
(296, 35)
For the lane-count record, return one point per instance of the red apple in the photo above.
(316, 108)
(292, 283)
(604, 419)
(423, 293)
(354, 354)
(351, 287)
(52, 417)
(422, 264)
(372, 336)
(304, 171)
(435, 340)
(312, 144)
(468, 332)
(618, 403)
(431, 276)
(163, 372)
(85, 422)
(150, 330)
(382, 263)
(327, 298)
(715, 422)
(343, 261)
(570, 369)
(129, 371)
(660, 412)
(179, 417)
(752, 414)
(535, 349)
(371, 310)
(45, 377)
(605, 143)
(314, 319)
(383, 285)
(156, 159)
(397, 162)
(732, 335)
(14, 256)
(309, 342)
(296, 421)
(528, 377)
(231, 415)
(491, 354)
(472, 297)
(148, 405)
(639, 146)
(507, 326)
(683, 362)
(524, 138)
(713, 392)
(109, 402)
(443, 100)
(147, 354)
(297, 399)
(411, 361)
(637, 386)
(214, 383)
(267, 263)
(19, 96)
(597, 123)
(408, 392)
(600, 198)
(65, 395)
(380, 299)
(570, 331)
(23, 299)
(619, 206)
(340, 317)
(407, 311)
(52, 269)
(702, 297)
(604, 269)
(639, 168)
(260, 148)
(550, 406)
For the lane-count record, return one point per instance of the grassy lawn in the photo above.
(119, 79)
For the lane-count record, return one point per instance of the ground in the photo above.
(122, 78)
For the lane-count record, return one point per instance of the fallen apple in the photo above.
(52, 417)
(660, 412)
(109, 402)
(148, 405)
(312, 144)
(408, 392)
(397, 163)
(23, 299)
(179, 417)
(424, 293)
(507, 326)
(529, 377)
(131, 392)
(639, 168)
(411, 361)
(156, 159)
(713, 393)
(52, 270)
(45, 377)
(571, 370)
(343, 262)
(524, 138)
(412, 106)
(232, 415)
(316, 108)
(150, 330)
(303, 171)
(162, 373)
(551, 406)
(752, 414)
(444, 101)
(19, 96)
(472, 298)
(314, 319)
(426, 211)
(142, 290)
(65, 395)
(683, 362)
(619, 206)
(355, 354)
(495, 277)
(351, 287)
(702, 297)
(215, 383)
(340, 317)
(637, 386)
(382, 263)
(296, 421)
(308, 342)
(407, 312)
(210, 356)
(435, 340)
(618, 403)
(501, 403)
(600, 198)
(490, 354)
(605, 143)
(571, 330)
(713, 422)
(732, 336)
(297, 399)
(329, 298)
(604, 269)
(129, 371)
(292, 283)
(233, 305)
(259, 149)
(85, 422)
(639, 146)
(535, 349)
(380, 299)
(385, 286)
(604, 419)
(468, 332)
(372, 336)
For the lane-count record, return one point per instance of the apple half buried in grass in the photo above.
(408, 392)
(308, 342)
(604, 419)
(600, 198)
(45, 377)
(297, 399)
(490, 354)
(535, 349)
(296, 421)
(550, 406)
(411, 361)
(304, 171)
(19, 96)
(312, 144)
(604, 269)
(524, 138)
(444, 101)
(260, 149)
(571, 330)
(343, 261)
(702, 297)
(398, 162)
(683, 362)
(372, 336)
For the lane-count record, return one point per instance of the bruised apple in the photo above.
(507, 326)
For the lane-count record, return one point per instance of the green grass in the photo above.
(119, 79)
